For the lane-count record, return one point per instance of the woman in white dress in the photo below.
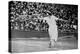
(52, 30)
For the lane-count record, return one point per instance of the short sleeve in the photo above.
(46, 18)
(54, 17)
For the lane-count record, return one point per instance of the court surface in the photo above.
(41, 44)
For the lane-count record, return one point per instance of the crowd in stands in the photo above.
(24, 15)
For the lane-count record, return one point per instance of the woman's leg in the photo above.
(53, 38)
(52, 43)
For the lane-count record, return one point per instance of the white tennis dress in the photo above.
(53, 32)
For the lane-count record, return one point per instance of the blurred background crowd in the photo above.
(24, 16)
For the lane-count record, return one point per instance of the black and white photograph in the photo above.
(41, 26)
